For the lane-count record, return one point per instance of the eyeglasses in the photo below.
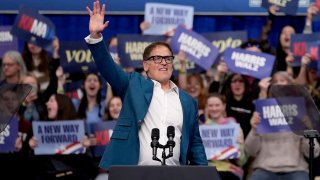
(8, 64)
(158, 59)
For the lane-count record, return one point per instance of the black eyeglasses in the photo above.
(158, 59)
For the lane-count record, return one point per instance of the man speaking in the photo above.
(155, 102)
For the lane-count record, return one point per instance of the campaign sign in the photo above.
(59, 137)
(255, 64)
(313, 50)
(7, 41)
(286, 117)
(220, 141)
(191, 67)
(8, 136)
(299, 43)
(165, 18)
(226, 39)
(316, 17)
(102, 132)
(289, 7)
(131, 47)
(197, 48)
(33, 27)
(75, 57)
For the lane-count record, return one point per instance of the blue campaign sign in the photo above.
(258, 65)
(32, 27)
(313, 50)
(103, 132)
(299, 43)
(75, 57)
(280, 118)
(121, 6)
(59, 137)
(197, 48)
(220, 141)
(8, 136)
(7, 40)
(131, 47)
(226, 39)
(191, 67)
(287, 6)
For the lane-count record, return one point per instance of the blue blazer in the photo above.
(136, 94)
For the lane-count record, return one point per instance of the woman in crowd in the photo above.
(33, 108)
(38, 62)
(13, 68)
(91, 106)
(216, 115)
(279, 155)
(284, 43)
(113, 108)
(78, 166)
(238, 99)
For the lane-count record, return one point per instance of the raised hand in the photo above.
(255, 120)
(221, 70)
(305, 60)
(273, 9)
(311, 11)
(96, 23)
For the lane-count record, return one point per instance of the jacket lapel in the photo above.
(185, 127)
(147, 88)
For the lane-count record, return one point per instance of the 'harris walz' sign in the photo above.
(131, 47)
(197, 48)
(287, 6)
(280, 118)
(258, 65)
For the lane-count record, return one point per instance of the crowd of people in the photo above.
(223, 97)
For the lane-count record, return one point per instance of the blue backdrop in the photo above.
(75, 27)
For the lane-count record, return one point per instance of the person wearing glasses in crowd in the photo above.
(152, 102)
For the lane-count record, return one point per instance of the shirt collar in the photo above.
(173, 86)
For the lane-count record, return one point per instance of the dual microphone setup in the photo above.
(155, 135)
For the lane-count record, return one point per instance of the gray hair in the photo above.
(17, 58)
(285, 75)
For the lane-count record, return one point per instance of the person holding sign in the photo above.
(282, 49)
(74, 166)
(155, 102)
(38, 63)
(278, 155)
(215, 115)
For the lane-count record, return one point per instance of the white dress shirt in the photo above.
(165, 110)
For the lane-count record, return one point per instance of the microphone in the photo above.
(170, 135)
(154, 143)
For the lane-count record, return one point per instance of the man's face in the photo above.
(160, 72)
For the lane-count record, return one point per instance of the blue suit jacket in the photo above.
(136, 94)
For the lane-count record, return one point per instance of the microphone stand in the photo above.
(164, 156)
(311, 135)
